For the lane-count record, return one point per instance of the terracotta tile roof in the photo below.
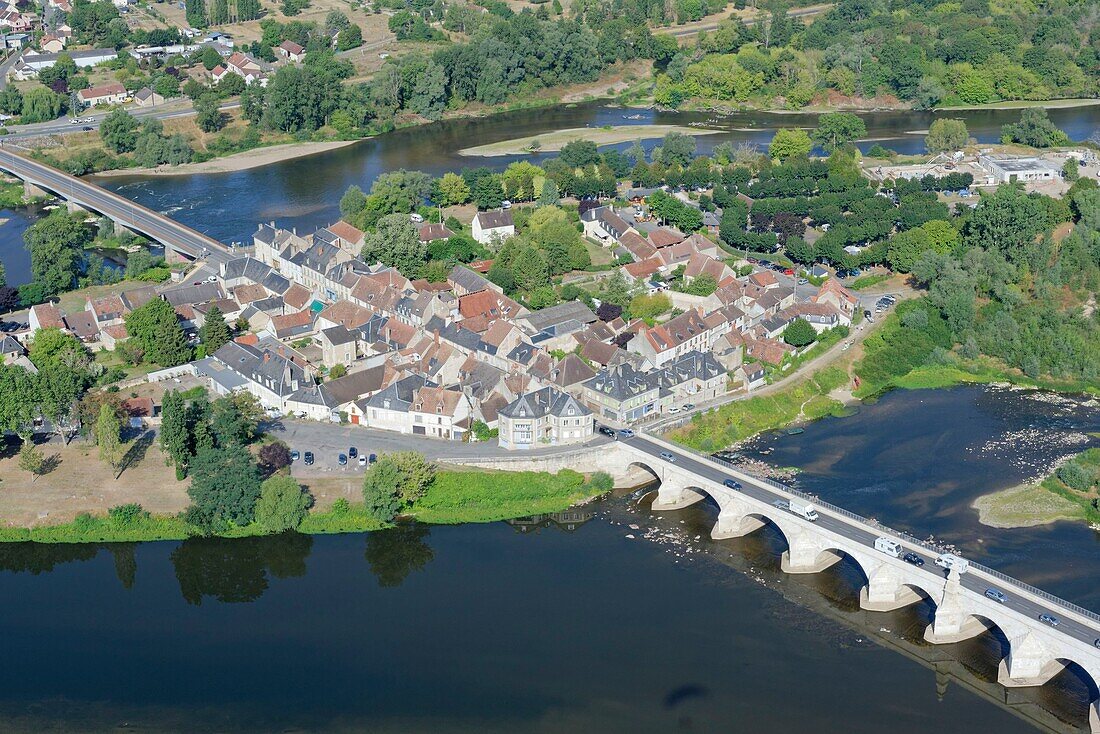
(438, 400)
(108, 307)
(345, 313)
(663, 237)
(489, 303)
(763, 279)
(643, 269)
(249, 293)
(48, 315)
(343, 230)
(638, 246)
(431, 232)
(297, 296)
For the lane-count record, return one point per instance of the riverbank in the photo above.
(455, 496)
(1049, 500)
(557, 139)
(1050, 104)
(243, 161)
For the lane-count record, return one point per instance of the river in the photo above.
(612, 619)
(305, 192)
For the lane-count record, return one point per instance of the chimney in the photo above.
(267, 357)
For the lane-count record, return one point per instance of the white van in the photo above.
(950, 560)
(803, 509)
(889, 547)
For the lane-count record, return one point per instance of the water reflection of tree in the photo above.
(39, 558)
(394, 553)
(236, 569)
(125, 562)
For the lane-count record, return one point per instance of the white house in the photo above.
(494, 226)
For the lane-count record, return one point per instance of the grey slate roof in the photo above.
(467, 279)
(268, 368)
(399, 395)
(556, 317)
(547, 401)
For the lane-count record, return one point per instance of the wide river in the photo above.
(612, 619)
(305, 193)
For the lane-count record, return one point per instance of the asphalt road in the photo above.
(156, 226)
(328, 440)
(63, 125)
(973, 580)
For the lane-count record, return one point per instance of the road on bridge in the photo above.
(156, 226)
(973, 580)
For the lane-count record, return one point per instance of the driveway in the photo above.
(328, 440)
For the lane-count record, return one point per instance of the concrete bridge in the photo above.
(179, 241)
(1036, 651)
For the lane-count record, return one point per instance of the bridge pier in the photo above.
(804, 555)
(885, 592)
(1094, 717)
(674, 495)
(951, 622)
(1028, 663)
(735, 520)
(74, 208)
(30, 191)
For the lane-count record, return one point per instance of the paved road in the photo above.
(973, 580)
(135, 216)
(327, 440)
(61, 126)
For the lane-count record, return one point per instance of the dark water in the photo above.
(305, 193)
(454, 630)
(916, 460)
(16, 259)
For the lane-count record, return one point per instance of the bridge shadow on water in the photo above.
(1060, 705)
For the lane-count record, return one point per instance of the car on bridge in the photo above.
(626, 433)
(996, 596)
(607, 431)
(732, 483)
(1049, 619)
(667, 456)
(914, 559)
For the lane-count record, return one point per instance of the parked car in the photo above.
(674, 409)
(689, 406)
(626, 433)
(1049, 619)
(788, 271)
(996, 595)
(1096, 642)
(913, 559)
(667, 456)
(294, 456)
(607, 431)
(362, 460)
(353, 452)
(371, 459)
(803, 281)
(342, 459)
(732, 483)
(309, 458)
(87, 128)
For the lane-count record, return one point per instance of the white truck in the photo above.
(889, 547)
(952, 561)
(803, 509)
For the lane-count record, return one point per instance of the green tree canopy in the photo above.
(946, 134)
(157, 330)
(282, 505)
(835, 129)
(799, 333)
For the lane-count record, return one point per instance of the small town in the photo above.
(526, 366)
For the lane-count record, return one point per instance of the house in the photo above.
(45, 316)
(494, 226)
(108, 310)
(464, 281)
(269, 375)
(603, 224)
(546, 417)
(16, 21)
(105, 94)
(431, 232)
(835, 294)
(146, 97)
(338, 346)
(350, 392)
(438, 412)
(244, 66)
(564, 318)
(388, 409)
(348, 238)
(621, 393)
(767, 351)
(10, 349)
(83, 326)
(699, 264)
(52, 44)
(751, 376)
(290, 51)
(664, 342)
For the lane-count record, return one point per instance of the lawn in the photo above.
(458, 497)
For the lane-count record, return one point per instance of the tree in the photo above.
(157, 330)
(392, 554)
(208, 116)
(946, 134)
(394, 481)
(453, 189)
(31, 459)
(119, 131)
(577, 153)
(282, 505)
(395, 243)
(210, 57)
(1070, 170)
(1006, 222)
(175, 438)
(108, 436)
(799, 333)
(648, 307)
(788, 143)
(352, 202)
(488, 192)
(56, 244)
(1034, 129)
(215, 332)
(835, 129)
(549, 195)
(41, 104)
(530, 268)
(11, 101)
(224, 487)
(349, 38)
(196, 13)
(274, 456)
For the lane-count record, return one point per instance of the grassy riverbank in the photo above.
(453, 497)
(556, 140)
(1050, 500)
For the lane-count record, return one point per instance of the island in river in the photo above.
(557, 139)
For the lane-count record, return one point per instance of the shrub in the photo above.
(123, 516)
(1077, 477)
